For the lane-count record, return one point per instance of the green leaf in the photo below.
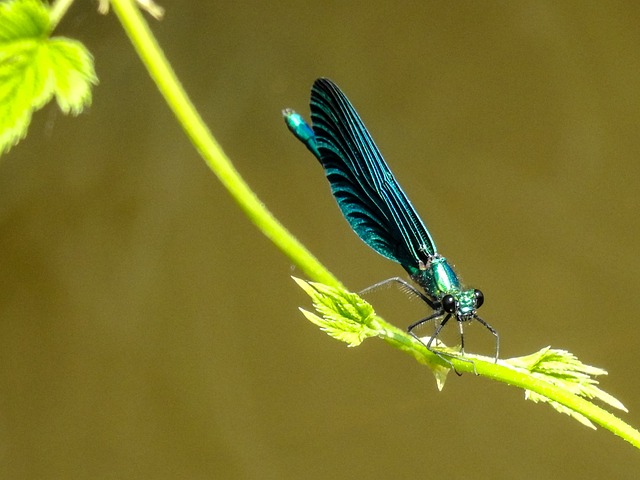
(23, 19)
(73, 73)
(345, 316)
(564, 370)
(348, 318)
(34, 68)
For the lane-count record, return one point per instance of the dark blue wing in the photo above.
(368, 195)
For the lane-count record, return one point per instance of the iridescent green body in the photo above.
(439, 279)
(377, 208)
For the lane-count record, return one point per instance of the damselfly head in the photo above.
(463, 304)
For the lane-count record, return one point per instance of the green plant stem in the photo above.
(57, 11)
(170, 87)
(487, 368)
(591, 411)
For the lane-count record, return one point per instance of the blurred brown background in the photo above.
(148, 330)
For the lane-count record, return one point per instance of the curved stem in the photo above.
(57, 11)
(170, 87)
(487, 368)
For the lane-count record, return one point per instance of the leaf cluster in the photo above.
(35, 68)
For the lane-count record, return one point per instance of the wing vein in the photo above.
(368, 194)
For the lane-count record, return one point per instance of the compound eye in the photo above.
(479, 298)
(449, 304)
